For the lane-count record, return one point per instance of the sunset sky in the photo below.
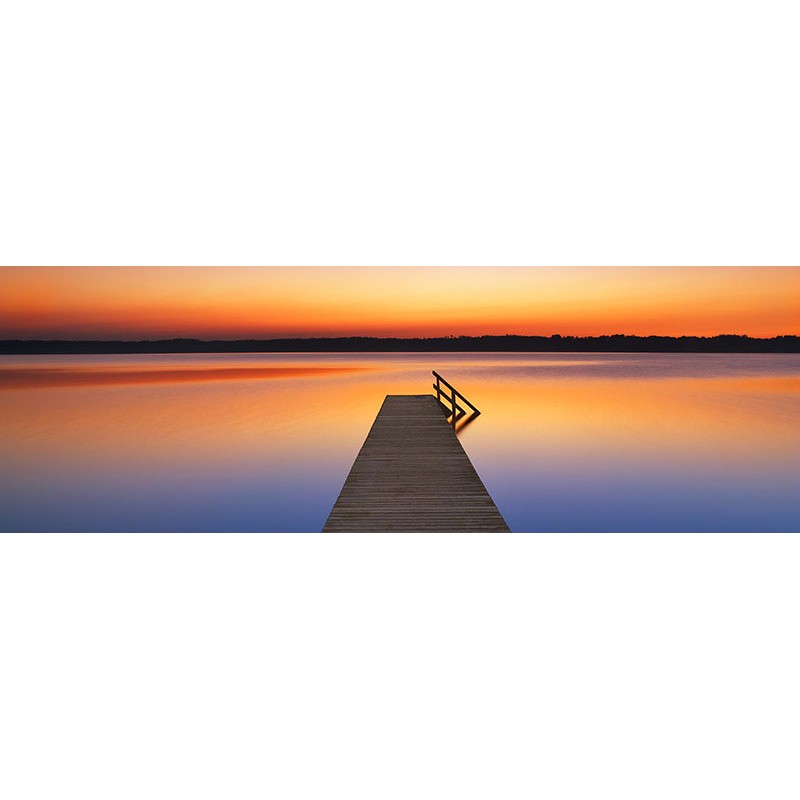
(264, 302)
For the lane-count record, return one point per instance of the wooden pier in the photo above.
(412, 474)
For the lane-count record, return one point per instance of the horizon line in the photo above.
(412, 338)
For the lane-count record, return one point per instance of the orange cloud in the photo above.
(245, 302)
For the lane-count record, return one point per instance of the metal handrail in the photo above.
(457, 411)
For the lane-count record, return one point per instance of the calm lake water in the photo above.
(566, 442)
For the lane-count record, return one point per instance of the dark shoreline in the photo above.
(618, 343)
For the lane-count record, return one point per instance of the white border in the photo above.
(433, 133)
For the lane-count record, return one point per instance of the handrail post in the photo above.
(443, 397)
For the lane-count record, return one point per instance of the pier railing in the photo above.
(447, 393)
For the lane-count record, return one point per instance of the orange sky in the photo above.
(254, 302)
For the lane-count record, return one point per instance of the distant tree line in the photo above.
(617, 343)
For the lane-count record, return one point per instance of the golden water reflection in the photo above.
(265, 442)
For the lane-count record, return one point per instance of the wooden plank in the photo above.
(412, 474)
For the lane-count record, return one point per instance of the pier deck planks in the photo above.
(412, 474)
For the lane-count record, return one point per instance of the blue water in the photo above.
(574, 442)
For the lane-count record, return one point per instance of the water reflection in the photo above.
(39, 377)
(255, 442)
(462, 423)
